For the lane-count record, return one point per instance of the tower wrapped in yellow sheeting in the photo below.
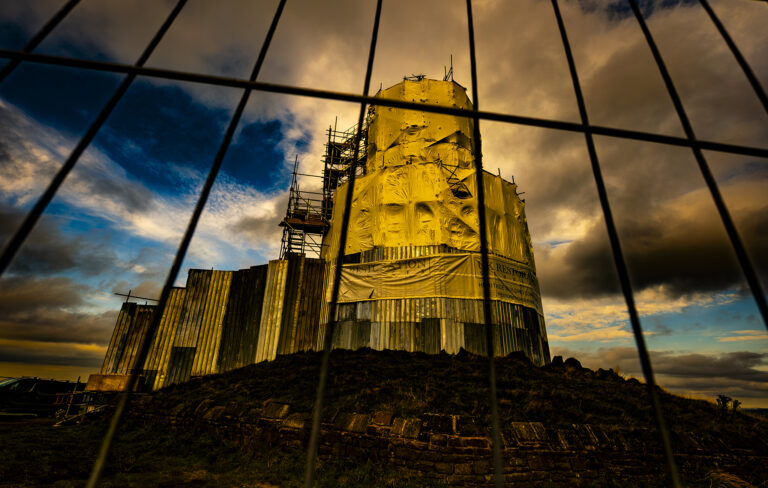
(411, 277)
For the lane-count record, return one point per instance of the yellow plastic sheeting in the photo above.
(413, 205)
(420, 190)
(505, 218)
(398, 136)
(408, 205)
(441, 275)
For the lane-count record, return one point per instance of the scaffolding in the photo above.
(339, 160)
(456, 184)
(304, 223)
(309, 212)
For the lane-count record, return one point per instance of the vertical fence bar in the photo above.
(317, 413)
(618, 258)
(98, 465)
(725, 216)
(737, 54)
(39, 37)
(34, 215)
(498, 465)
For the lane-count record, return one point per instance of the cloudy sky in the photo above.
(115, 224)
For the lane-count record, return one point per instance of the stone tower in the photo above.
(411, 276)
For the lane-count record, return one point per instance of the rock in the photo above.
(358, 423)
(572, 363)
(275, 410)
(481, 466)
(466, 425)
(383, 418)
(463, 468)
(603, 374)
(437, 423)
(408, 428)
(411, 428)
(297, 420)
(214, 413)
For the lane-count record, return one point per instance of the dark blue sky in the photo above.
(152, 126)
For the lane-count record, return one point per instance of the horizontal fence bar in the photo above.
(350, 97)
(39, 37)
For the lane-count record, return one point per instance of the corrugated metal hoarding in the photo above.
(291, 311)
(242, 321)
(439, 323)
(222, 320)
(130, 330)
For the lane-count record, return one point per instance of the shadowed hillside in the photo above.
(249, 427)
(410, 384)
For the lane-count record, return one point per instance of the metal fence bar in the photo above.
(38, 38)
(730, 227)
(355, 98)
(181, 252)
(496, 446)
(317, 414)
(618, 258)
(34, 215)
(737, 54)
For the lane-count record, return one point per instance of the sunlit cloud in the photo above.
(606, 319)
(101, 188)
(744, 335)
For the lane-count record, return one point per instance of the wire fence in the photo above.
(364, 99)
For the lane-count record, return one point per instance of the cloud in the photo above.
(605, 319)
(48, 251)
(744, 335)
(34, 153)
(602, 334)
(50, 310)
(101, 188)
(656, 192)
(58, 354)
(264, 228)
(145, 289)
(659, 249)
(522, 70)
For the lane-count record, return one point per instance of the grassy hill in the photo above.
(410, 384)
(364, 381)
